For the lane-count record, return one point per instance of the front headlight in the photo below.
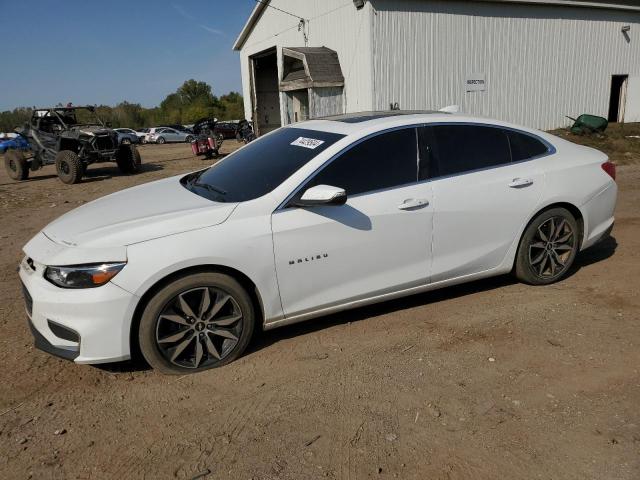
(83, 276)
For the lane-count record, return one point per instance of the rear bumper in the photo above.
(598, 215)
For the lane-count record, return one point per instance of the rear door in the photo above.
(377, 243)
(486, 183)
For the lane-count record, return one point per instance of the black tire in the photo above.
(161, 337)
(189, 139)
(128, 159)
(16, 165)
(161, 140)
(548, 247)
(69, 167)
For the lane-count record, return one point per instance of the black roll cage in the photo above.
(57, 110)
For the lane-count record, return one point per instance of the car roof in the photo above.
(370, 122)
(360, 117)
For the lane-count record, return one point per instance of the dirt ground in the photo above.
(490, 380)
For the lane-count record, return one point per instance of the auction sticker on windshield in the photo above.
(311, 143)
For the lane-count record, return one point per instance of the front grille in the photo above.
(28, 301)
(104, 142)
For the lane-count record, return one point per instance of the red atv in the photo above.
(207, 142)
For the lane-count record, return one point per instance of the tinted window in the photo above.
(260, 166)
(461, 148)
(525, 146)
(384, 161)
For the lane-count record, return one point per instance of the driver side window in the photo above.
(385, 161)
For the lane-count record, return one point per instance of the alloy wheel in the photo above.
(551, 248)
(199, 327)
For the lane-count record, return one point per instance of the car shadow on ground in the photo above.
(105, 173)
(264, 339)
(188, 157)
(599, 252)
(595, 254)
(29, 180)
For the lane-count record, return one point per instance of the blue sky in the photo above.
(104, 52)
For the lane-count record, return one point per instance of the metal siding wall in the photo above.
(335, 24)
(541, 63)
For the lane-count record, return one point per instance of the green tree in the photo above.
(193, 91)
(191, 101)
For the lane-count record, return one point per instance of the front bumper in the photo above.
(99, 317)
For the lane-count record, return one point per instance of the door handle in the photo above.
(520, 182)
(412, 203)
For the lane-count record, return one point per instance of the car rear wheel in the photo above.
(189, 139)
(69, 167)
(16, 165)
(548, 247)
(197, 322)
(128, 159)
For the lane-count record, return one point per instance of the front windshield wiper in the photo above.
(211, 188)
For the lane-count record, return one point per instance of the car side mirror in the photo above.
(322, 195)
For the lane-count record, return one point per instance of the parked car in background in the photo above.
(177, 126)
(227, 129)
(14, 143)
(126, 136)
(168, 135)
(142, 134)
(346, 211)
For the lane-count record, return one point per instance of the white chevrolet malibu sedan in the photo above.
(310, 219)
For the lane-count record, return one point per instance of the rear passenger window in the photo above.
(384, 161)
(461, 148)
(525, 146)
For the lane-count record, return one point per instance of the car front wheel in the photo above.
(195, 323)
(548, 247)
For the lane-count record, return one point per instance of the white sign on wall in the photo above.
(475, 82)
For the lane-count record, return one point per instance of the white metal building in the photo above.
(526, 61)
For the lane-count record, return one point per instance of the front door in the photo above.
(172, 135)
(377, 243)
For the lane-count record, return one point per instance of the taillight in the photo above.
(610, 168)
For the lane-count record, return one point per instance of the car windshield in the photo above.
(260, 166)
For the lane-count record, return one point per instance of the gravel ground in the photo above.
(493, 379)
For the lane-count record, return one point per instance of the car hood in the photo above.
(137, 214)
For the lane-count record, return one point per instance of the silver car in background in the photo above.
(168, 135)
(127, 136)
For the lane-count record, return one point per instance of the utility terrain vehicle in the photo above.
(72, 138)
